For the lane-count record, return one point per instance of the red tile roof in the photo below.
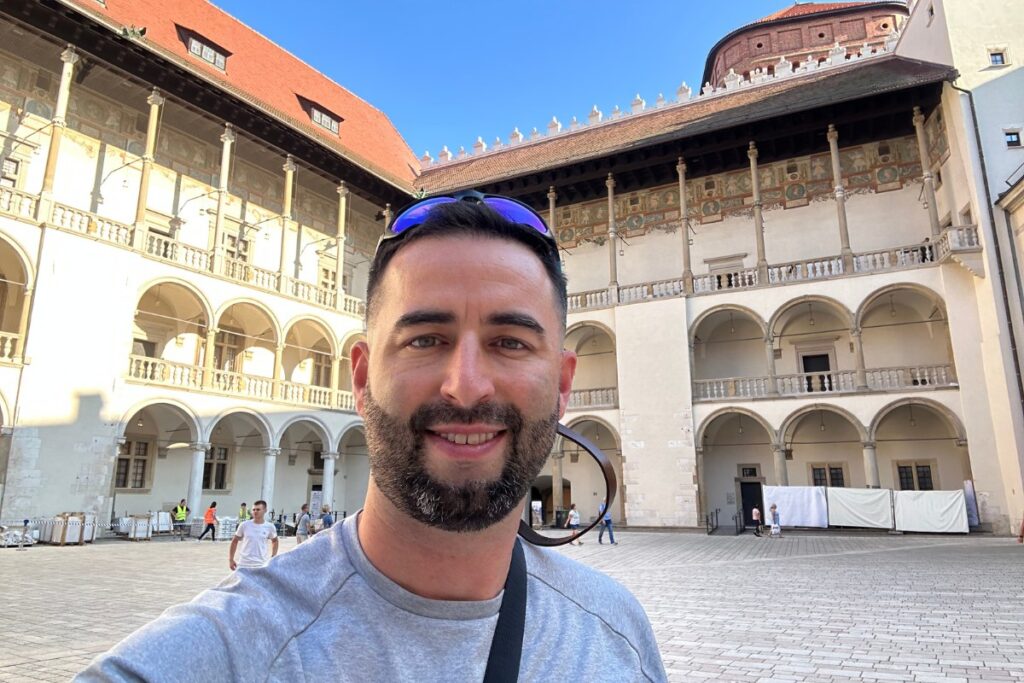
(268, 76)
(802, 9)
(792, 94)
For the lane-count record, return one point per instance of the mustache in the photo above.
(430, 414)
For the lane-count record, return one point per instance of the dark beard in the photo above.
(398, 465)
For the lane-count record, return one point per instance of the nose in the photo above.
(467, 380)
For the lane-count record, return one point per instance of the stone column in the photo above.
(339, 244)
(335, 378)
(840, 192)
(871, 465)
(328, 487)
(926, 171)
(552, 197)
(685, 227)
(755, 185)
(861, 375)
(6, 436)
(195, 478)
(286, 221)
(227, 139)
(773, 383)
(387, 215)
(155, 101)
(108, 512)
(698, 479)
(26, 307)
(69, 57)
(269, 471)
(209, 351)
(279, 378)
(613, 238)
(556, 481)
(781, 470)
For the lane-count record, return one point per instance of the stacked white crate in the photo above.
(160, 521)
(140, 528)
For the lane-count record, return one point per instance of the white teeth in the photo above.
(470, 439)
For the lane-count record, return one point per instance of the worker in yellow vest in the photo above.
(180, 515)
(243, 514)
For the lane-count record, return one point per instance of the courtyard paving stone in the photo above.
(805, 608)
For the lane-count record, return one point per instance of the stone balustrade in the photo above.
(958, 238)
(241, 271)
(581, 399)
(10, 347)
(905, 378)
(831, 382)
(730, 387)
(313, 293)
(183, 254)
(93, 225)
(184, 376)
(650, 290)
(583, 301)
(799, 271)
(714, 282)
(17, 203)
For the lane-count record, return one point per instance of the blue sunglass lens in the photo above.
(417, 213)
(517, 213)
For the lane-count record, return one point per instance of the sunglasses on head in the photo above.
(510, 209)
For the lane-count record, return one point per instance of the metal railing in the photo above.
(738, 520)
(711, 521)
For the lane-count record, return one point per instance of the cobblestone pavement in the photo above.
(801, 608)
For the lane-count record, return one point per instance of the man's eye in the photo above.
(511, 344)
(423, 342)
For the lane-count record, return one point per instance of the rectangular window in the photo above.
(906, 473)
(132, 463)
(325, 120)
(236, 249)
(828, 474)
(818, 476)
(321, 369)
(835, 477)
(9, 176)
(915, 476)
(207, 53)
(227, 346)
(1012, 138)
(997, 58)
(924, 477)
(215, 469)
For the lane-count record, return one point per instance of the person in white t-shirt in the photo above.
(258, 539)
(573, 522)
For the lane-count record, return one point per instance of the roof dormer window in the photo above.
(324, 120)
(206, 53)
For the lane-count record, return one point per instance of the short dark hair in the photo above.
(470, 219)
(213, 504)
(305, 506)
(259, 502)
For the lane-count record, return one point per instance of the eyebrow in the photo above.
(437, 317)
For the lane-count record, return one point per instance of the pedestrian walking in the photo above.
(257, 539)
(572, 521)
(756, 515)
(210, 519)
(776, 525)
(304, 526)
(244, 514)
(180, 515)
(326, 518)
(606, 525)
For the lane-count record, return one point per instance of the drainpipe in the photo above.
(999, 258)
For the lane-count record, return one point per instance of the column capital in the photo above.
(752, 151)
(329, 455)
(156, 99)
(777, 448)
(832, 134)
(70, 55)
(271, 452)
(552, 195)
(855, 331)
(228, 136)
(200, 446)
(342, 189)
(387, 214)
(918, 116)
(681, 167)
(867, 444)
(289, 164)
(6, 431)
(120, 441)
(960, 443)
(610, 182)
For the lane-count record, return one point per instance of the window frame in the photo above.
(828, 469)
(1015, 142)
(199, 49)
(127, 452)
(325, 120)
(914, 465)
(210, 461)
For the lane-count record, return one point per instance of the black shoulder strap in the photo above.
(507, 644)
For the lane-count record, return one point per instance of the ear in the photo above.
(360, 373)
(566, 372)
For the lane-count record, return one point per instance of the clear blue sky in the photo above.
(446, 72)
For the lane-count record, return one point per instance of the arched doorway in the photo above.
(736, 460)
(154, 458)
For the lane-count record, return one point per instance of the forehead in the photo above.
(463, 272)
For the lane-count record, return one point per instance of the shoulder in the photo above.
(595, 596)
(204, 628)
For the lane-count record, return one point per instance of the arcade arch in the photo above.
(920, 445)
(728, 343)
(170, 324)
(14, 288)
(737, 455)
(596, 380)
(824, 446)
(813, 347)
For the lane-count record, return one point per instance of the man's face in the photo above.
(462, 380)
(257, 513)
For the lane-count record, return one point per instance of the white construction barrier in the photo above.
(797, 505)
(140, 528)
(870, 508)
(939, 512)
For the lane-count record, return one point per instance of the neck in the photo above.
(436, 564)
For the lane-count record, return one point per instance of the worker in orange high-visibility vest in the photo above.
(210, 519)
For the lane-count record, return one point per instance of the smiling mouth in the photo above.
(467, 439)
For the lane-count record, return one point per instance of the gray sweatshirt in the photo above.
(322, 612)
